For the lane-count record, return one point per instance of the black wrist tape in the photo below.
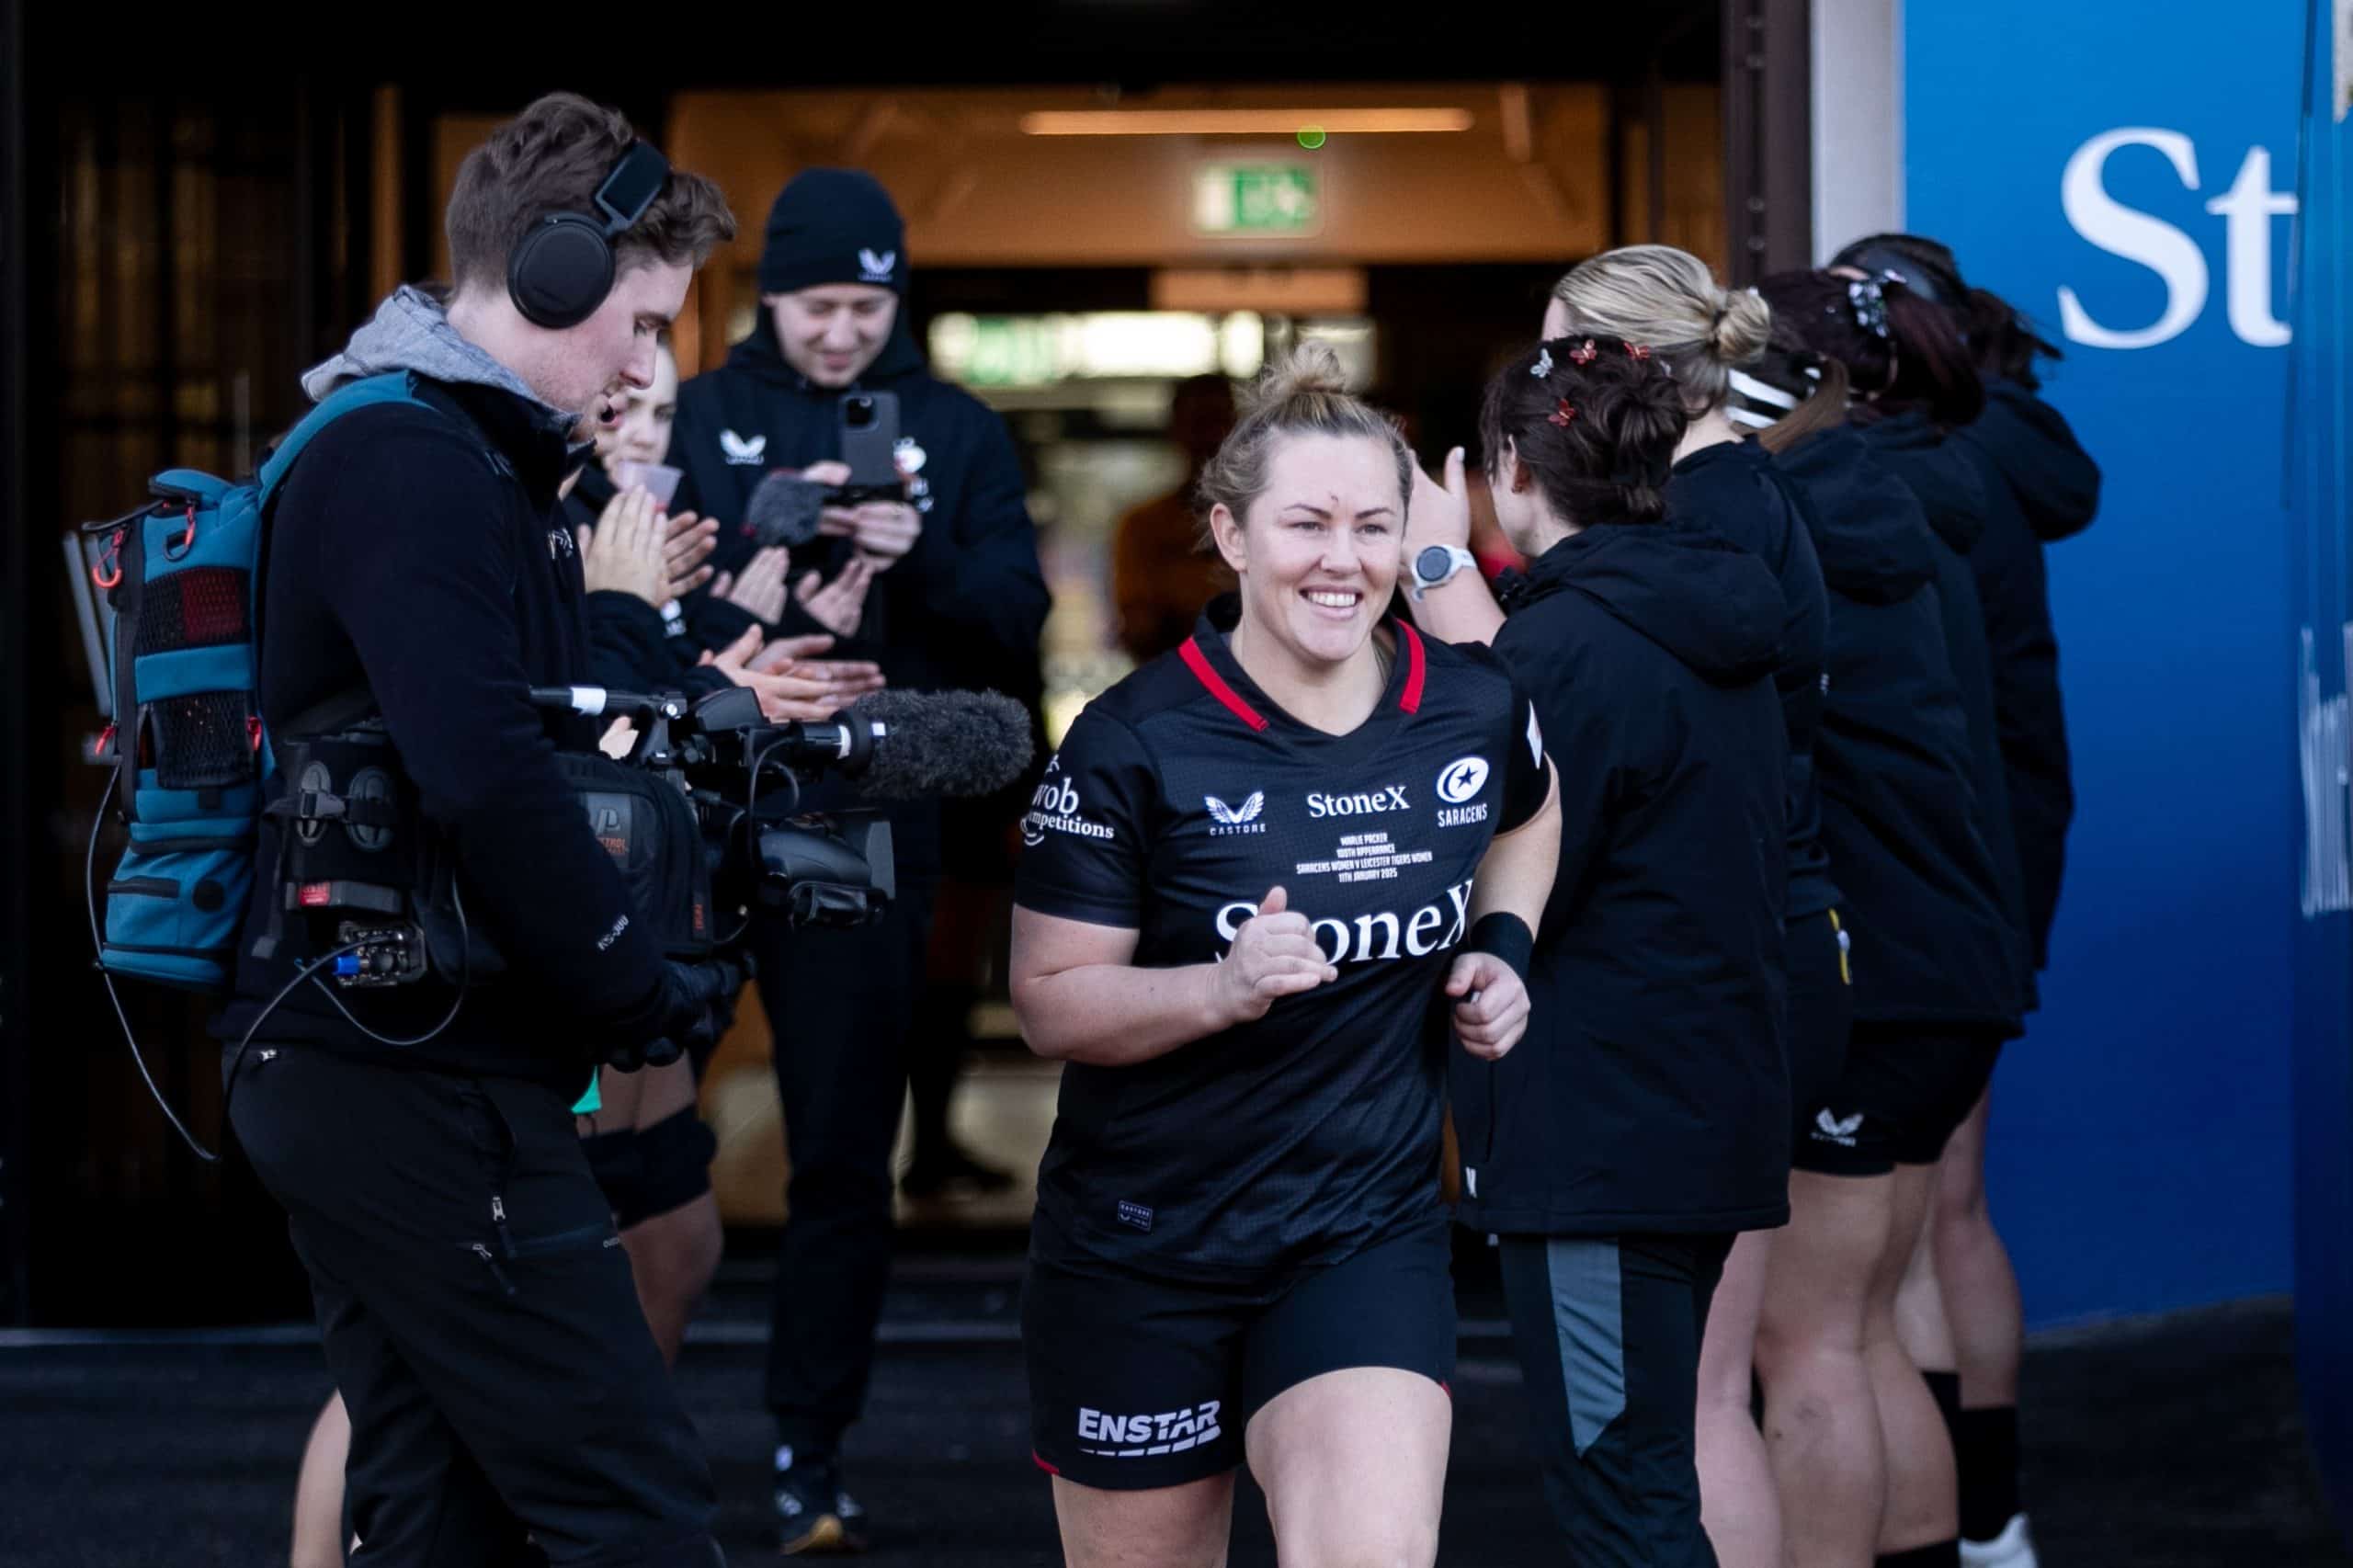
(1505, 935)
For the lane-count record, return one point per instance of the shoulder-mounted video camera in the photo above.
(702, 816)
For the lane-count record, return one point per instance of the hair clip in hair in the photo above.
(1543, 366)
(1888, 275)
(1638, 351)
(1562, 412)
(1583, 354)
(1868, 304)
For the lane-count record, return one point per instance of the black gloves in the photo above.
(697, 1007)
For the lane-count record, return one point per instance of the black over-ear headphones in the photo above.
(561, 268)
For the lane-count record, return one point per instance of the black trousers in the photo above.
(1609, 1331)
(479, 1318)
(840, 1006)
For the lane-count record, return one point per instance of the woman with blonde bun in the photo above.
(1668, 299)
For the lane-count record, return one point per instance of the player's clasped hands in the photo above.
(1273, 955)
(1491, 1004)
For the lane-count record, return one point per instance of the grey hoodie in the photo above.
(411, 330)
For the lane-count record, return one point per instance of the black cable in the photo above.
(465, 974)
(236, 1056)
(757, 765)
(309, 971)
(98, 952)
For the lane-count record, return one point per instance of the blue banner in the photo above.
(2123, 171)
(2323, 608)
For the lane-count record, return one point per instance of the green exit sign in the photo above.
(1257, 199)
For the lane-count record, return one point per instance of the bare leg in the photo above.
(1923, 1505)
(1353, 1464)
(673, 1255)
(1739, 1507)
(318, 1492)
(1980, 1290)
(1168, 1526)
(1821, 1420)
(1920, 1320)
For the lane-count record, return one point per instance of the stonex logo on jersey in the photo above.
(1365, 938)
(1362, 803)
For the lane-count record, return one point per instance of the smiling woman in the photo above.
(1247, 921)
(1306, 502)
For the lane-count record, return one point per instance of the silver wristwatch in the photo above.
(1437, 563)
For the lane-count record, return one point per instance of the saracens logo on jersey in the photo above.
(1365, 938)
(1458, 783)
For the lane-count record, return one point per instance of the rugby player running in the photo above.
(1273, 874)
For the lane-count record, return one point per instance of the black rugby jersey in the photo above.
(1179, 798)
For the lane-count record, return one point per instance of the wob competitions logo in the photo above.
(1054, 807)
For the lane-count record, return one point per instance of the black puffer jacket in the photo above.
(1933, 941)
(1732, 489)
(1651, 1092)
(1941, 475)
(2043, 487)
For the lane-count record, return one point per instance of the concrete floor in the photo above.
(2166, 1443)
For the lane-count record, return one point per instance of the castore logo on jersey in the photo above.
(1231, 820)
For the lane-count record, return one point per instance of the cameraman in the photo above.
(476, 1307)
(953, 597)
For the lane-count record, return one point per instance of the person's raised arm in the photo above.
(1463, 609)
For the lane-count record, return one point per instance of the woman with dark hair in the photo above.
(1646, 1125)
(1702, 332)
(1945, 983)
(2041, 487)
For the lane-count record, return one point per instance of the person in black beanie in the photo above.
(943, 590)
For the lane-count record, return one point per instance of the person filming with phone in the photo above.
(924, 560)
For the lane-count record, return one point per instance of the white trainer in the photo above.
(2012, 1549)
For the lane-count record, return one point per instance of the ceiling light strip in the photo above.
(1243, 121)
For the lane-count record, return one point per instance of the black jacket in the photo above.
(1652, 1091)
(1932, 943)
(1732, 489)
(1940, 473)
(964, 609)
(425, 557)
(2043, 487)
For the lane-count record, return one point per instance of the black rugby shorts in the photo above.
(1138, 1383)
(1905, 1089)
(1822, 1014)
